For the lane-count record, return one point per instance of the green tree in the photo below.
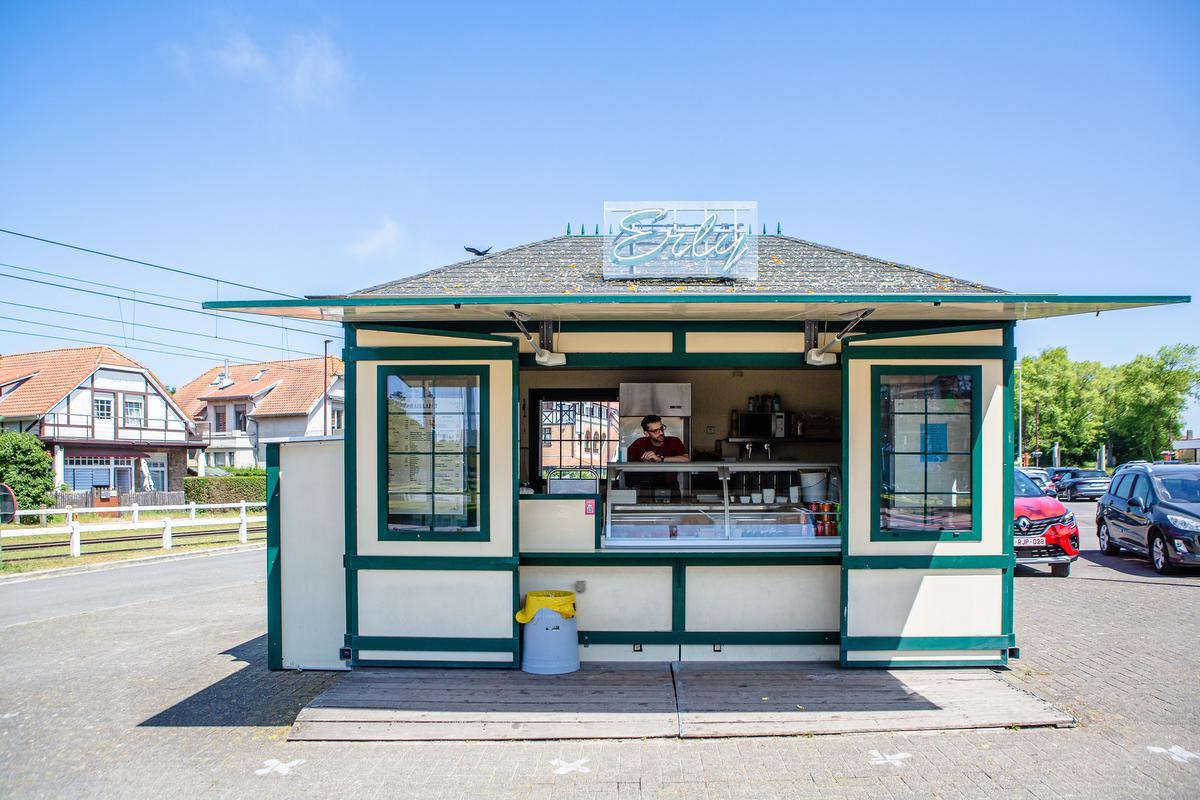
(1063, 402)
(27, 468)
(1144, 401)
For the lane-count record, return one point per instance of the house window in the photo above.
(219, 419)
(574, 423)
(337, 419)
(158, 475)
(133, 412)
(435, 446)
(926, 455)
(82, 473)
(102, 407)
(239, 417)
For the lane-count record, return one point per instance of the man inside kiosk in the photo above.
(656, 447)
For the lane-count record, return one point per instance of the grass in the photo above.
(19, 561)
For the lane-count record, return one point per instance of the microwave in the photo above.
(762, 424)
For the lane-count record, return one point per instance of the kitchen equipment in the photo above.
(671, 401)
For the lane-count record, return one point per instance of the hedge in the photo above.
(225, 489)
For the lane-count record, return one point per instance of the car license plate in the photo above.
(1029, 541)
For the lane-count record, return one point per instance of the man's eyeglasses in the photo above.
(659, 429)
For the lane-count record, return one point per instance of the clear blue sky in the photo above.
(324, 147)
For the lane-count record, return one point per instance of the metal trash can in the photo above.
(550, 645)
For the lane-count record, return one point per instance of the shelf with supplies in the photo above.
(781, 440)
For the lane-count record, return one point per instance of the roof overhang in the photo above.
(974, 307)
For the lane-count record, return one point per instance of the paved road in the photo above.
(169, 696)
(87, 592)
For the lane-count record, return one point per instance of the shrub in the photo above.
(225, 489)
(28, 470)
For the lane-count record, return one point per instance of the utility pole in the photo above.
(1020, 418)
(325, 388)
(1037, 425)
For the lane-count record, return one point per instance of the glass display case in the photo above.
(723, 504)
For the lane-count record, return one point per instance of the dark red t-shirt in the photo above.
(671, 446)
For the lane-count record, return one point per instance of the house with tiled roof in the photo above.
(246, 404)
(109, 423)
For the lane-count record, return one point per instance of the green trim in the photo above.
(385, 328)
(1004, 562)
(671, 558)
(433, 563)
(480, 353)
(350, 480)
(679, 342)
(443, 643)
(907, 353)
(708, 637)
(677, 298)
(514, 501)
(996, 662)
(843, 617)
(1006, 601)
(898, 643)
(868, 337)
(698, 360)
(481, 372)
(678, 597)
(375, 662)
(975, 534)
(274, 566)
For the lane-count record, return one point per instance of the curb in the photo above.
(21, 577)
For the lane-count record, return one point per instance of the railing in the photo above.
(75, 528)
(84, 426)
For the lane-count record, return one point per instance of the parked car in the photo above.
(1076, 483)
(1154, 510)
(1040, 477)
(1044, 530)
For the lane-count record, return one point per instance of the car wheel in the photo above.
(1159, 555)
(1106, 545)
(1060, 570)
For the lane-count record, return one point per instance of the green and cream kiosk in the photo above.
(847, 493)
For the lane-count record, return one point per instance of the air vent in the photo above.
(259, 374)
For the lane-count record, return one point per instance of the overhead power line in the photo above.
(126, 347)
(151, 264)
(164, 305)
(209, 353)
(152, 327)
(136, 291)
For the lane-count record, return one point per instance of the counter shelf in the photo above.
(689, 504)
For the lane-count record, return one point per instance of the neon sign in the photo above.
(676, 239)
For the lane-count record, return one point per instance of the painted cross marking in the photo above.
(563, 767)
(879, 759)
(1176, 752)
(275, 765)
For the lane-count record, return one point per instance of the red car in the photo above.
(1044, 530)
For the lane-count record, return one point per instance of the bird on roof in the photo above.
(475, 252)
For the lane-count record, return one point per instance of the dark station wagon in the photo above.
(1154, 510)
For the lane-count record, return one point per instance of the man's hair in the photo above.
(649, 420)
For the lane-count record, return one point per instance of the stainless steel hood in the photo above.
(664, 399)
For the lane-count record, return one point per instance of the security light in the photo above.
(541, 356)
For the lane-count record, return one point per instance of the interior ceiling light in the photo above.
(820, 356)
(543, 357)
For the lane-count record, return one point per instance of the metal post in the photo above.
(325, 390)
(76, 544)
(242, 524)
(1020, 417)
(167, 533)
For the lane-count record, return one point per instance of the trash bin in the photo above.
(551, 641)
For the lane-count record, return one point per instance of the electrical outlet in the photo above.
(710, 429)
(716, 648)
(637, 648)
(580, 587)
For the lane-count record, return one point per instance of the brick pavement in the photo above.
(172, 699)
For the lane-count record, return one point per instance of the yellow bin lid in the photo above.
(553, 599)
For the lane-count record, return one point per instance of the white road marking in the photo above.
(275, 765)
(563, 767)
(879, 759)
(1176, 753)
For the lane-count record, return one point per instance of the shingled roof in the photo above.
(290, 387)
(47, 376)
(572, 265)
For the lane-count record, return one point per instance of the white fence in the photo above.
(167, 524)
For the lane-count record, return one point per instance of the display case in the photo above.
(764, 505)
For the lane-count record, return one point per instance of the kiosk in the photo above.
(848, 493)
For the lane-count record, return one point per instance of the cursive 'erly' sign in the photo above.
(680, 239)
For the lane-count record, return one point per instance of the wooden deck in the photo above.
(690, 700)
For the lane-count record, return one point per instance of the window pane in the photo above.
(924, 432)
(433, 440)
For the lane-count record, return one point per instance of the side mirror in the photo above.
(1137, 503)
(1050, 492)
